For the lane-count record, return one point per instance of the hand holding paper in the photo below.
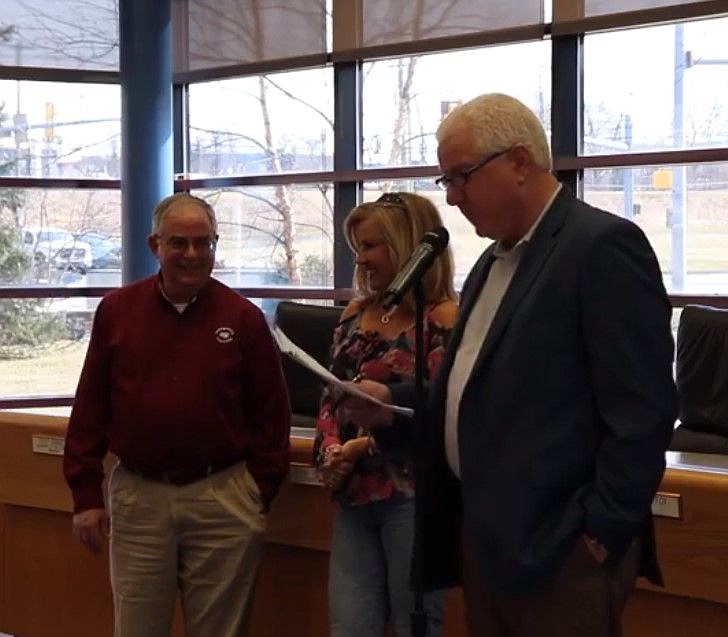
(292, 350)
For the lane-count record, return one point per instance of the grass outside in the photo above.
(52, 370)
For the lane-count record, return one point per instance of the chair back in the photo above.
(311, 327)
(701, 374)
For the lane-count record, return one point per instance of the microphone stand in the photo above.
(418, 617)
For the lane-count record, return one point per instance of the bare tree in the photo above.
(84, 32)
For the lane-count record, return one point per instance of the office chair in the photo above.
(311, 327)
(701, 374)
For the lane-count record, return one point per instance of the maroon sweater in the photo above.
(168, 391)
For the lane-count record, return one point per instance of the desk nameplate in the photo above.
(49, 445)
(304, 474)
(667, 505)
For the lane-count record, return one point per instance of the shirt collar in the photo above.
(160, 287)
(500, 251)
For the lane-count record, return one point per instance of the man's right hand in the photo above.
(91, 527)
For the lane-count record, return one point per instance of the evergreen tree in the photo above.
(24, 323)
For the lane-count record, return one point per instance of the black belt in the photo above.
(180, 477)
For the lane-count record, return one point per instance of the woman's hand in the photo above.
(365, 413)
(335, 468)
(355, 448)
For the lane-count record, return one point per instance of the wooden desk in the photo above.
(50, 586)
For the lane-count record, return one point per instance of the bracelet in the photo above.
(372, 448)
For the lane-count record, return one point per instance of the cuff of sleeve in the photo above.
(88, 497)
(614, 535)
(268, 487)
(402, 394)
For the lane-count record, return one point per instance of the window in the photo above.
(61, 237)
(405, 99)
(265, 124)
(73, 34)
(683, 210)
(675, 97)
(466, 246)
(54, 130)
(43, 344)
(274, 236)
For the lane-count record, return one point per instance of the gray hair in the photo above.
(164, 207)
(499, 122)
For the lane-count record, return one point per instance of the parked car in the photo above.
(56, 247)
(105, 251)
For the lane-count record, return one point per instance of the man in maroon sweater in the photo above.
(182, 382)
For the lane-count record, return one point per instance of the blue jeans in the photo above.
(369, 571)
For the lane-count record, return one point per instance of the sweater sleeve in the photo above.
(87, 436)
(267, 406)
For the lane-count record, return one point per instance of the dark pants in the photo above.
(583, 599)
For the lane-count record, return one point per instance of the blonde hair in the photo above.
(403, 219)
(499, 122)
(164, 207)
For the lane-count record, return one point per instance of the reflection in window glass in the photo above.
(684, 213)
(73, 34)
(674, 97)
(60, 237)
(405, 99)
(466, 246)
(274, 235)
(42, 344)
(267, 124)
(59, 130)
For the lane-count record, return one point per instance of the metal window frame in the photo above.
(347, 176)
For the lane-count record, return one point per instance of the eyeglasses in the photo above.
(459, 178)
(199, 244)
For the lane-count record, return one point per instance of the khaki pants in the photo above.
(204, 539)
(583, 599)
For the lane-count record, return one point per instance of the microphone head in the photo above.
(437, 238)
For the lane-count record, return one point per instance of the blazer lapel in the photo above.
(535, 256)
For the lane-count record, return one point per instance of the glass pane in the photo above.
(405, 99)
(42, 344)
(266, 124)
(50, 129)
(388, 22)
(676, 97)
(683, 210)
(274, 235)
(60, 237)
(605, 7)
(466, 246)
(73, 34)
(230, 32)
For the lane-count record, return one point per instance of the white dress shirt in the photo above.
(476, 330)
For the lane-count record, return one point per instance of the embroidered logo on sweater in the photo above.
(224, 334)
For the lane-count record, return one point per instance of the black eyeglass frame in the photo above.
(458, 178)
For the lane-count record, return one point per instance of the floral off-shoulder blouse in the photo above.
(379, 476)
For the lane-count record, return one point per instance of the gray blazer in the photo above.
(566, 416)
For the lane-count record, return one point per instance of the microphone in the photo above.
(432, 244)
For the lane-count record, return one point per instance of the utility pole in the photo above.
(628, 173)
(679, 194)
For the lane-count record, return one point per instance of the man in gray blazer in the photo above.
(553, 409)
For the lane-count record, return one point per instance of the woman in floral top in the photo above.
(370, 473)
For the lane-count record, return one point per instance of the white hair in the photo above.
(164, 207)
(499, 122)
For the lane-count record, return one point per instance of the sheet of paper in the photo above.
(290, 349)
